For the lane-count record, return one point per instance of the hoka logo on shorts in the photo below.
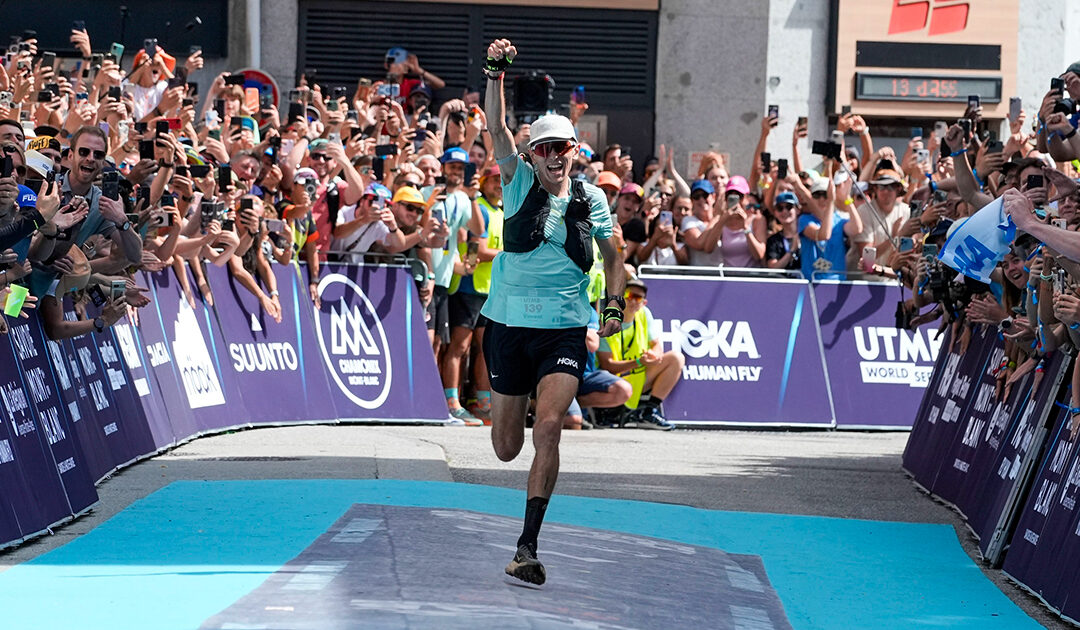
(908, 355)
(703, 341)
(197, 371)
(357, 352)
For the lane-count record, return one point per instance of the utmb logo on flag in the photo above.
(978, 244)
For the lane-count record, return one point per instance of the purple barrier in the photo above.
(943, 405)
(876, 372)
(36, 492)
(374, 346)
(753, 354)
(1044, 555)
(51, 415)
(265, 356)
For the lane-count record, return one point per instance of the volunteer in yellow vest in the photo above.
(635, 354)
(468, 292)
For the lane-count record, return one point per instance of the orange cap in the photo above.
(607, 178)
(170, 61)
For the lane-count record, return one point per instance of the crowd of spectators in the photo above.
(109, 166)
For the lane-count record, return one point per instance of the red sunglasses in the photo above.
(556, 148)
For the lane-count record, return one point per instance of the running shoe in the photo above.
(526, 567)
(484, 413)
(651, 418)
(463, 414)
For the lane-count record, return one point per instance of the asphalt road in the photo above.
(835, 474)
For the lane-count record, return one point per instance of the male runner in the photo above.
(538, 305)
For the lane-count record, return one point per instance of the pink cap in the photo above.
(632, 189)
(738, 184)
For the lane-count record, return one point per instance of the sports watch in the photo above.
(618, 300)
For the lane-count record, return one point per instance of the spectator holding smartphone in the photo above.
(822, 231)
(701, 230)
(782, 248)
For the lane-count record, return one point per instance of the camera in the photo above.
(826, 149)
(310, 185)
(533, 93)
(1065, 106)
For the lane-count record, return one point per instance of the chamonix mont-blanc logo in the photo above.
(353, 342)
(193, 359)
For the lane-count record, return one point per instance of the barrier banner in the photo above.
(156, 344)
(375, 349)
(995, 501)
(980, 426)
(279, 377)
(876, 372)
(753, 354)
(944, 404)
(50, 413)
(191, 351)
(1044, 554)
(132, 361)
(37, 496)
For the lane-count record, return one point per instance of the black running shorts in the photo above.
(517, 358)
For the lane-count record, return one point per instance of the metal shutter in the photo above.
(611, 52)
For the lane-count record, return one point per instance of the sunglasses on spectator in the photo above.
(412, 207)
(818, 195)
(633, 297)
(665, 194)
(699, 196)
(319, 156)
(85, 152)
(556, 148)
(783, 207)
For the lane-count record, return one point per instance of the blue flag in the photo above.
(978, 244)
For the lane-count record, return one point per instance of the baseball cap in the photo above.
(820, 184)
(422, 89)
(607, 178)
(491, 171)
(632, 189)
(551, 127)
(702, 184)
(398, 53)
(408, 194)
(941, 228)
(787, 197)
(586, 151)
(43, 142)
(454, 154)
(318, 143)
(379, 191)
(738, 184)
(638, 283)
(305, 173)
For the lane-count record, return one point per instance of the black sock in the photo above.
(651, 401)
(534, 517)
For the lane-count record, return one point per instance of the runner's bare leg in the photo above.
(553, 396)
(508, 424)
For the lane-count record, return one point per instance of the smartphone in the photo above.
(110, 185)
(161, 127)
(965, 124)
(114, 93)
(1061, 280)
(437, 214)
(382, 150)
(940, 129)
(781, 168)
(171, 124)
(275, 226)
(378, 169)
(1060, 223)
(1034, 181)
(845, 110)
(224, 177)
(192, 88)
(194, 49)
(236, 121)
(296, 111)
(470, 172)
(150, 47)
(187, 102)
(940, 196)
(1015, 105)
(48, 59)
(802, 121)
(1057, 84)
(922, 155)
(472, 253)
(774, 112)
(766, 161)
(334, 137)
(906, 244)
(117, 289)
(97, 296)
(929, 251)
(732, 200)
(78, 25)
(199, 170)
(837, 136)
(666, 218)
(869, 256)
(577, 95)
(234, 79)
(916, 132)
(973, 101)
(995, 146)
(44, 96)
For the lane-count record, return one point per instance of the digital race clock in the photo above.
(940, 88)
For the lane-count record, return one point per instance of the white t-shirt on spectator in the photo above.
(146, 98)
(699, 258)
(664, 255)
(361, 240)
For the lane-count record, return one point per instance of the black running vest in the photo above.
(524, 231)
